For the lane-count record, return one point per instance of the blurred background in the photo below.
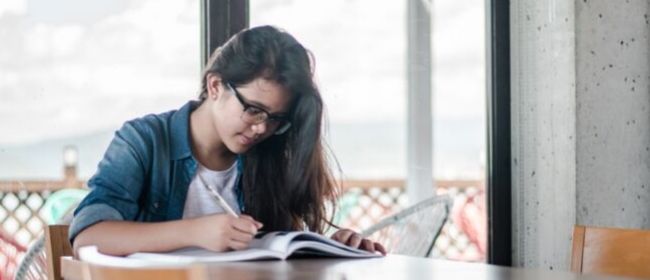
(72, 71)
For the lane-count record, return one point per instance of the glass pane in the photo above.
(72, 71)
(460, 124)
(361, 50)
(365, 99)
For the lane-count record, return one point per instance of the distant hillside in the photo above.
(44, 160)
(364, 150)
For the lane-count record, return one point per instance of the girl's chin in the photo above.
(238, 149)
(239, 145)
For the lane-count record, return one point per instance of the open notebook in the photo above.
(271, 245)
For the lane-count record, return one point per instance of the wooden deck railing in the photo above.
(21, 203)
(37, 186)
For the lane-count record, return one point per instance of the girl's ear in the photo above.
(214, 86)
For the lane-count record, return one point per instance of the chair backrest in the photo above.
(624, 252)
(412, 231)
(57, 245)
(36, 264)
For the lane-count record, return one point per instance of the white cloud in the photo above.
(65, 77)
(75, 79)
(17, 7)
(36, 43)
(361, 54)
(65, 39)
(44, 41)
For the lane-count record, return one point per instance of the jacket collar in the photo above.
(180, 131)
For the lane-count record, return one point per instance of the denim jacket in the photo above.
(145, 173)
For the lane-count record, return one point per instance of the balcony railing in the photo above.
(363, 203)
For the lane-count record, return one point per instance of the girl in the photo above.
(254, 136)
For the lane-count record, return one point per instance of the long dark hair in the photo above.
(286, 179)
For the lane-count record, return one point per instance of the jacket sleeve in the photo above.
(118, 183)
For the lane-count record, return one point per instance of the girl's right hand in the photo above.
(223, 232)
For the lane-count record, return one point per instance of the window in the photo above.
(72, 72)
(361, 60)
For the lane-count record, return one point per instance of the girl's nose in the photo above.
(260, 128)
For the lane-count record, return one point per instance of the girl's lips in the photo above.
(245, 140)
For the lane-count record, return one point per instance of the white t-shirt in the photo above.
(201, 202)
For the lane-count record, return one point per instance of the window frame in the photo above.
(499, 171)
(220, 19)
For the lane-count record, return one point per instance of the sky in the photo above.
(73, 67)
(360, 48)
(65, 73)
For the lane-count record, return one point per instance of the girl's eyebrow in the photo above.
(257, 104)
(262, 106)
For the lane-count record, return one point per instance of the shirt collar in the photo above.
(180, 131)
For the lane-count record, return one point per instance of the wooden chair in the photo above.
(36, 264)
(623, 252)
(56, 246)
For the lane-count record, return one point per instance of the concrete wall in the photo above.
(543, 131)
(613, 123)
(581, 122)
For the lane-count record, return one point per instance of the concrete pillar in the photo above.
(419, 156)
(581, 154)
(543, 131)
(613, 94)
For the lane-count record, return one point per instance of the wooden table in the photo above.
(390, 267)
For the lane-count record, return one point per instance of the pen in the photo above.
(222, 202)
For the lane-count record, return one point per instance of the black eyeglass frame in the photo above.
(279, 122)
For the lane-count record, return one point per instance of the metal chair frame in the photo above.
(444, 200)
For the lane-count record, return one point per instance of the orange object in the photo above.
(614, 251)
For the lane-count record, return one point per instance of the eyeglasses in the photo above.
(256, 115)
